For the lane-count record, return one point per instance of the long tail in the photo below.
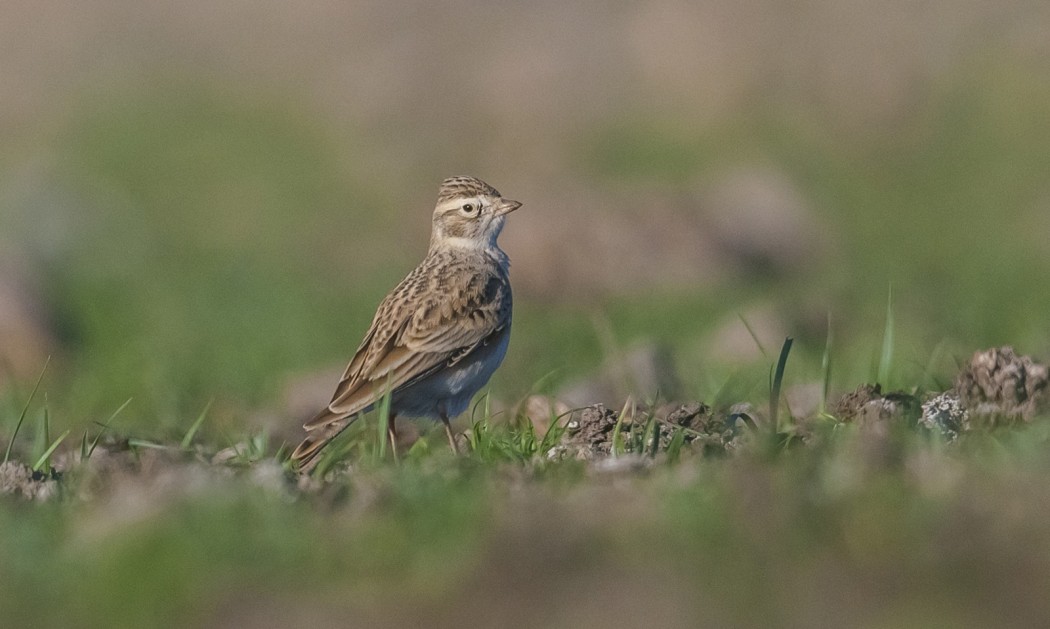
(306, 453)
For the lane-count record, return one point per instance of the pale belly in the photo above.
(451, 390)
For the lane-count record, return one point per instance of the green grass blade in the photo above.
(25, 409)
(616, 448)
(928, 381)
(754, 337)
(142, 443)
(105, 427)
(479, 440)
(674, 448)
(825, 370)
(46, 434)
(281, 455)
(47, 453)
(656, 439)
(554, 431)
(187, 439)
(886, 357)
(384, 424)
(778, 380)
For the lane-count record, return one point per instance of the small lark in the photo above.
(438, 336)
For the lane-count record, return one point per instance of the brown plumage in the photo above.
(438, 336)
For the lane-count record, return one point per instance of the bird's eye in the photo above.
(469, 208)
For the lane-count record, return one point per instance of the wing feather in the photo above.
(427, 322)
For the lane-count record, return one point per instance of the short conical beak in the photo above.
(506, 206)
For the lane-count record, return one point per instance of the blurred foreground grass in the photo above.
(854, 529)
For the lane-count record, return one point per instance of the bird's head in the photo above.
(469, 214)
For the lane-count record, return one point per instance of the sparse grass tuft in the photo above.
(86, 450)
(25, 409)
(187, 439)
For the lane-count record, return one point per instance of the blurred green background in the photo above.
(207, 201)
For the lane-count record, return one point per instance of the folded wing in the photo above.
(426, 324)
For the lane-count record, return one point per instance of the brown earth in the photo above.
(998, 383)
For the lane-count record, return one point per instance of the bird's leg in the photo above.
(391, 432)
(451, 437)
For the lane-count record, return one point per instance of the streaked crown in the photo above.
(465, 187)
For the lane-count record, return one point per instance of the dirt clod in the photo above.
(999, 383)
(945, 414)
(869, 407)
(709, 432)
(19, 479)
(589, 433)
(695, 415)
